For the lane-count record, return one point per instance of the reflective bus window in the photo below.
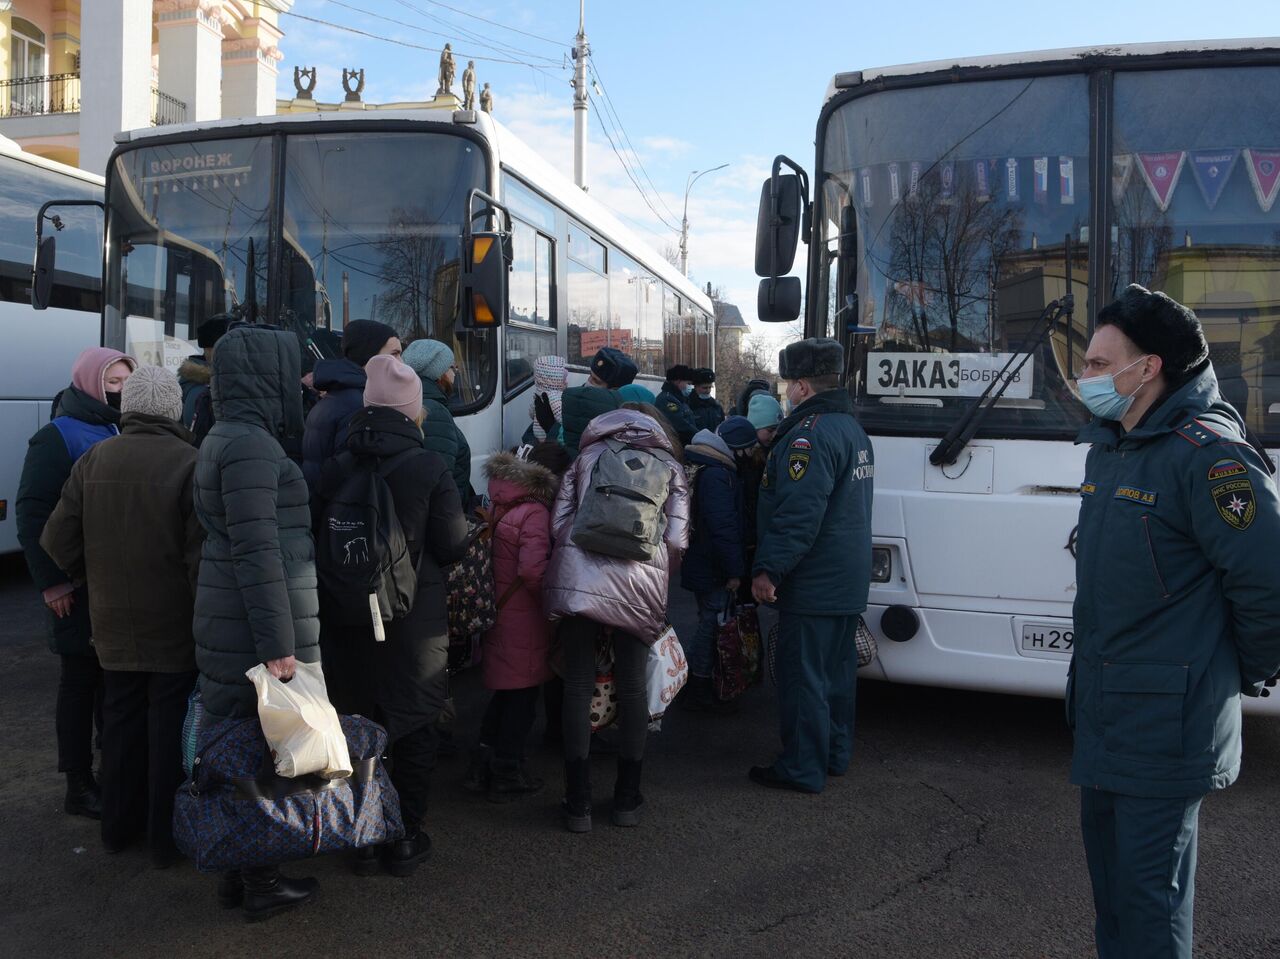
(523, 347)
(529, 282)
(585, 250)
(963, 201)
(626, 287)
(672, 328)
(1195, 177)
(528, 206)
(588, 296)
(649, 342)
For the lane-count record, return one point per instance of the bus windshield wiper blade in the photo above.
(958, 437)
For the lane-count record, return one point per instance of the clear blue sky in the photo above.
(697, 83)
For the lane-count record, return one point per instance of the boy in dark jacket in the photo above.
(610, 369)
(715, 562)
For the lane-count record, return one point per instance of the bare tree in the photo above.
(412, 298)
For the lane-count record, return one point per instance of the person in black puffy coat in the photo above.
(256, 593)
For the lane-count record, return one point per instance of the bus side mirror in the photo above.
(778, 225)
(485, 282)
(779, 299)
(42, 273)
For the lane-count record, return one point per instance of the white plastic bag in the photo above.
(299, 724)
(666, 672)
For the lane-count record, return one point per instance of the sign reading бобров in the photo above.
(943, 374)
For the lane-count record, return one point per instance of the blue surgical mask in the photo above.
(1103, 400)
(687, 389)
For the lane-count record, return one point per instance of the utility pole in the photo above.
(684, 217)
(581, 50)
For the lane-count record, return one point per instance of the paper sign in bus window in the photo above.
(944, 374)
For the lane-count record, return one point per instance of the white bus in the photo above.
(951, 202)
(311, 221)
(37, 349)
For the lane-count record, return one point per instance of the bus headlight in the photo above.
(881, 564)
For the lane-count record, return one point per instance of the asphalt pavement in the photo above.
(953, 835)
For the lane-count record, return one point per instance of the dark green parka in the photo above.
(675, 407)
(814, 510)
(256, 595)
(1178, 604)
(579, 405)
(440, 434)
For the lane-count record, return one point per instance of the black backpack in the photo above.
(361, 552)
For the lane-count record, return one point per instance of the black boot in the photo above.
(477, 777)
(699, 695)
(267, 893)
(83, 797)
(230, 889)
(577, 795)
(510, 780)
(404, 855)
(627, 801)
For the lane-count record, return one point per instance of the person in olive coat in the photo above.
(402, 681)
(126, 522)
(436, 367)
(86, 413)
(1177, 614)
(256, 594)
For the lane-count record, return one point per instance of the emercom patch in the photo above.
(1235, 502)
(797, 465)
(1135, 495)
(1225, 469)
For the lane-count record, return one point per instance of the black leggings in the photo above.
(78, 711)
(630, 657)
(507, 721)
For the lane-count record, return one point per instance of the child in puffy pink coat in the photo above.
(517, 649)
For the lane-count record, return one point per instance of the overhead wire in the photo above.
(476, 38)
(644, 195)
(476, 16)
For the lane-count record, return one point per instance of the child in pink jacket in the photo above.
(517, 649)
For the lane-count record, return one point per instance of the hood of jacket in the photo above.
(145, 424)
(431, 391)
(88, 373)
(195, 369)
(381, 431)
(513, 479)
(257, 379)
(79, 405)
(339, 374)
(1199, 396)
(627, 426)
(709, 448)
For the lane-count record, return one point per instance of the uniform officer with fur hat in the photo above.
(707, 412)
(1177, 614)
(673, 401)
(813, 561)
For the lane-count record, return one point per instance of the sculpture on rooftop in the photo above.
(486, 99)
(447, 72)
(350, 77)
(469, 86)
(299, 75)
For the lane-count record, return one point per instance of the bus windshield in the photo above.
(345, 226)
(963, 198)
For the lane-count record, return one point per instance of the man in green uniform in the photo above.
(813, 562)
(1177, 614)
(673, 401)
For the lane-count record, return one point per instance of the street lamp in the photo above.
(693, 178)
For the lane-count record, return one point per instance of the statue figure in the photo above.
(348, 76)
(300, 74)
(486, 99)
(447, 70)
(469, 86)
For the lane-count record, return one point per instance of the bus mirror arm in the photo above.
(42, 268)
(785, 216)
(486, 258)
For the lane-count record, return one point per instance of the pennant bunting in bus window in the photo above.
(914, 184)
(1040, 167)
(1121, 170)
(1264, 174)
(1161, 171)
(895, 182)
(948, 175)
(865, 178)
(984, 172)
(1067, 179)
(1011, 179)
(1212, 169)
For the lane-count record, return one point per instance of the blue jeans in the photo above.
(701, 651)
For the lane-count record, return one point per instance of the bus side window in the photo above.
(530, 330)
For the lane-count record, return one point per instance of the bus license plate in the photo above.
(1040, 638)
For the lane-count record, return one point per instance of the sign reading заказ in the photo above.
(943, 374)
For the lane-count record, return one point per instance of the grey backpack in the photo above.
(621, 512)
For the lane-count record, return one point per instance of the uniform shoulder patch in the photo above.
(797, 464)
(1225, 469)
(1197, 434)
(1235, 502)
(801, 443)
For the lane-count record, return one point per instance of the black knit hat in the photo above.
(680, 372)
(703, 376)
(362, 339)
(1159, 325)
(808, 358)
(212, 330)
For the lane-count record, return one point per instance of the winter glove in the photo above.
(543, 413)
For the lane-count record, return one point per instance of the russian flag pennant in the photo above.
(1121, 170)
(865, 179)
(895, 182)
(1212, 169)
(1040, 166)
(1161, 171)
(1067, 179)
(984, 174)
(1264, 174)
(1011, 179)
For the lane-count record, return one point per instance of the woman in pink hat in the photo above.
(400, 680)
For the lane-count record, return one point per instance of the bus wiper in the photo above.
(958, 437)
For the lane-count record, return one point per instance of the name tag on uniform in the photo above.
(1134, 495)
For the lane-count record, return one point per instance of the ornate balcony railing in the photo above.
(166, 109)
(36, 96)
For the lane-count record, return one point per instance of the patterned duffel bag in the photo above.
(235, 812)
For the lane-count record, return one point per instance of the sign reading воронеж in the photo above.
(944, 374)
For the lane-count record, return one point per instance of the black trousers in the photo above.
(78, 711)
(507, 721)
(142, 718)
(630, 658)
(413, 759)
